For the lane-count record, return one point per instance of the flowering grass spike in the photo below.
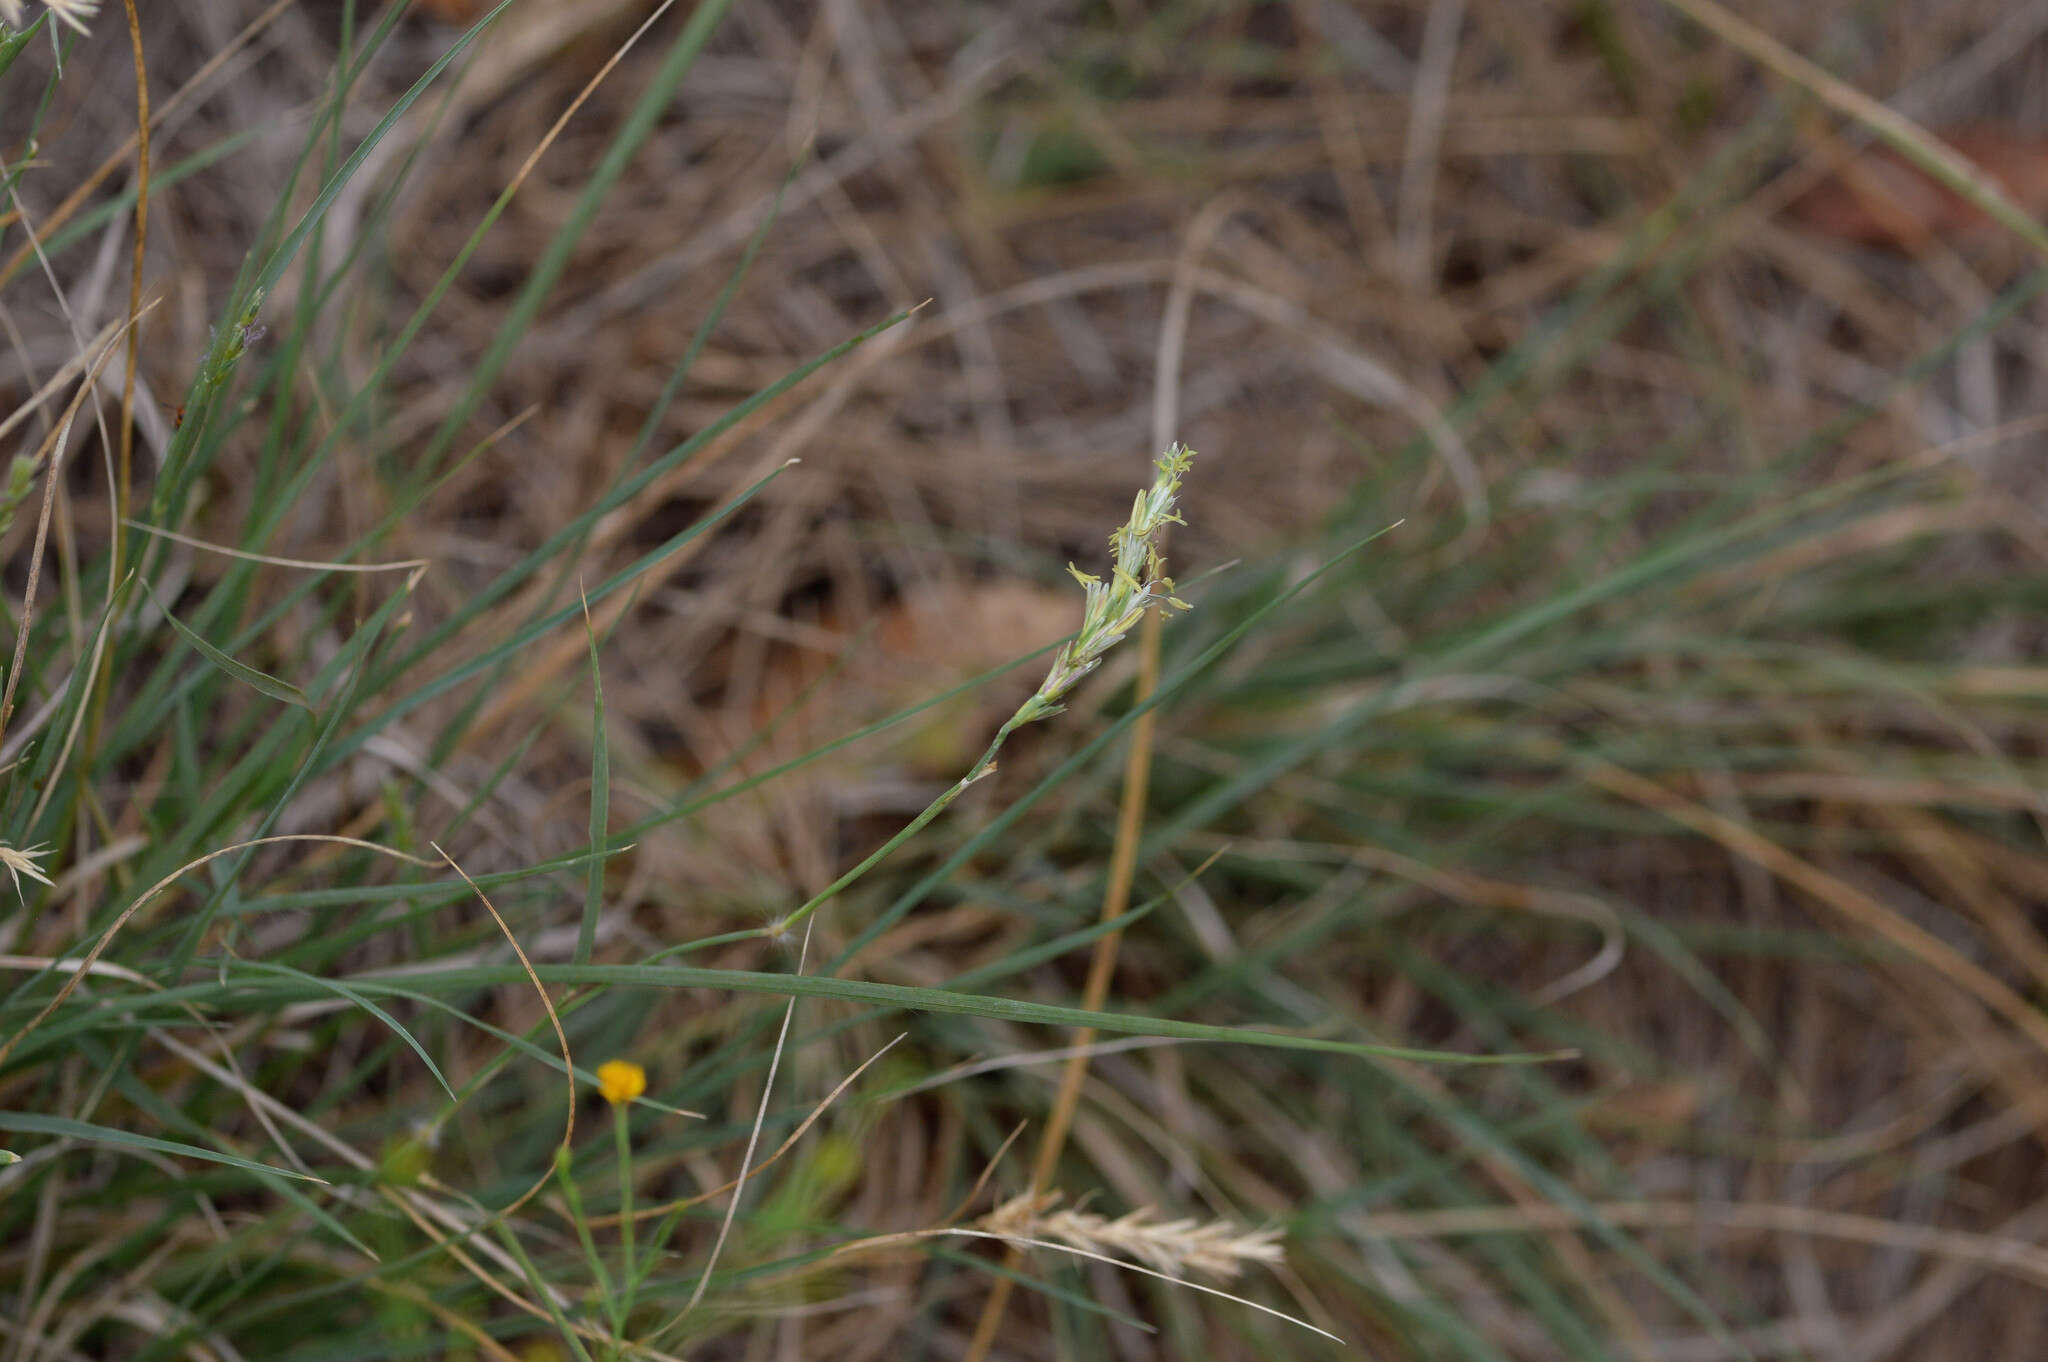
(72, 12)
(19, 861)
(1137, 582)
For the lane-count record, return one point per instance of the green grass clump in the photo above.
(177, 706)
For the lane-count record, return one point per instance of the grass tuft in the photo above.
(563, 497)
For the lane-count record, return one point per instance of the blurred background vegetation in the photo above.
(1681, 718)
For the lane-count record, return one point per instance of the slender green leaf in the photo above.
(600, 803)
(241, 671)
(29, 1123)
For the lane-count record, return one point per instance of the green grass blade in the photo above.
(600, 802)
(29, 1123)
(260, 680)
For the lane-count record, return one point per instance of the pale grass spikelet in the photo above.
(72, 12)
(21, 861)
(1218, 1249)
(1138, 581)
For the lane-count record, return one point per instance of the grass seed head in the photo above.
(19, 861)
(72, 12)
(1138, 581)
(1218, 1248)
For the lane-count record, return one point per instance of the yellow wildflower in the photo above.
(621, 1080)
